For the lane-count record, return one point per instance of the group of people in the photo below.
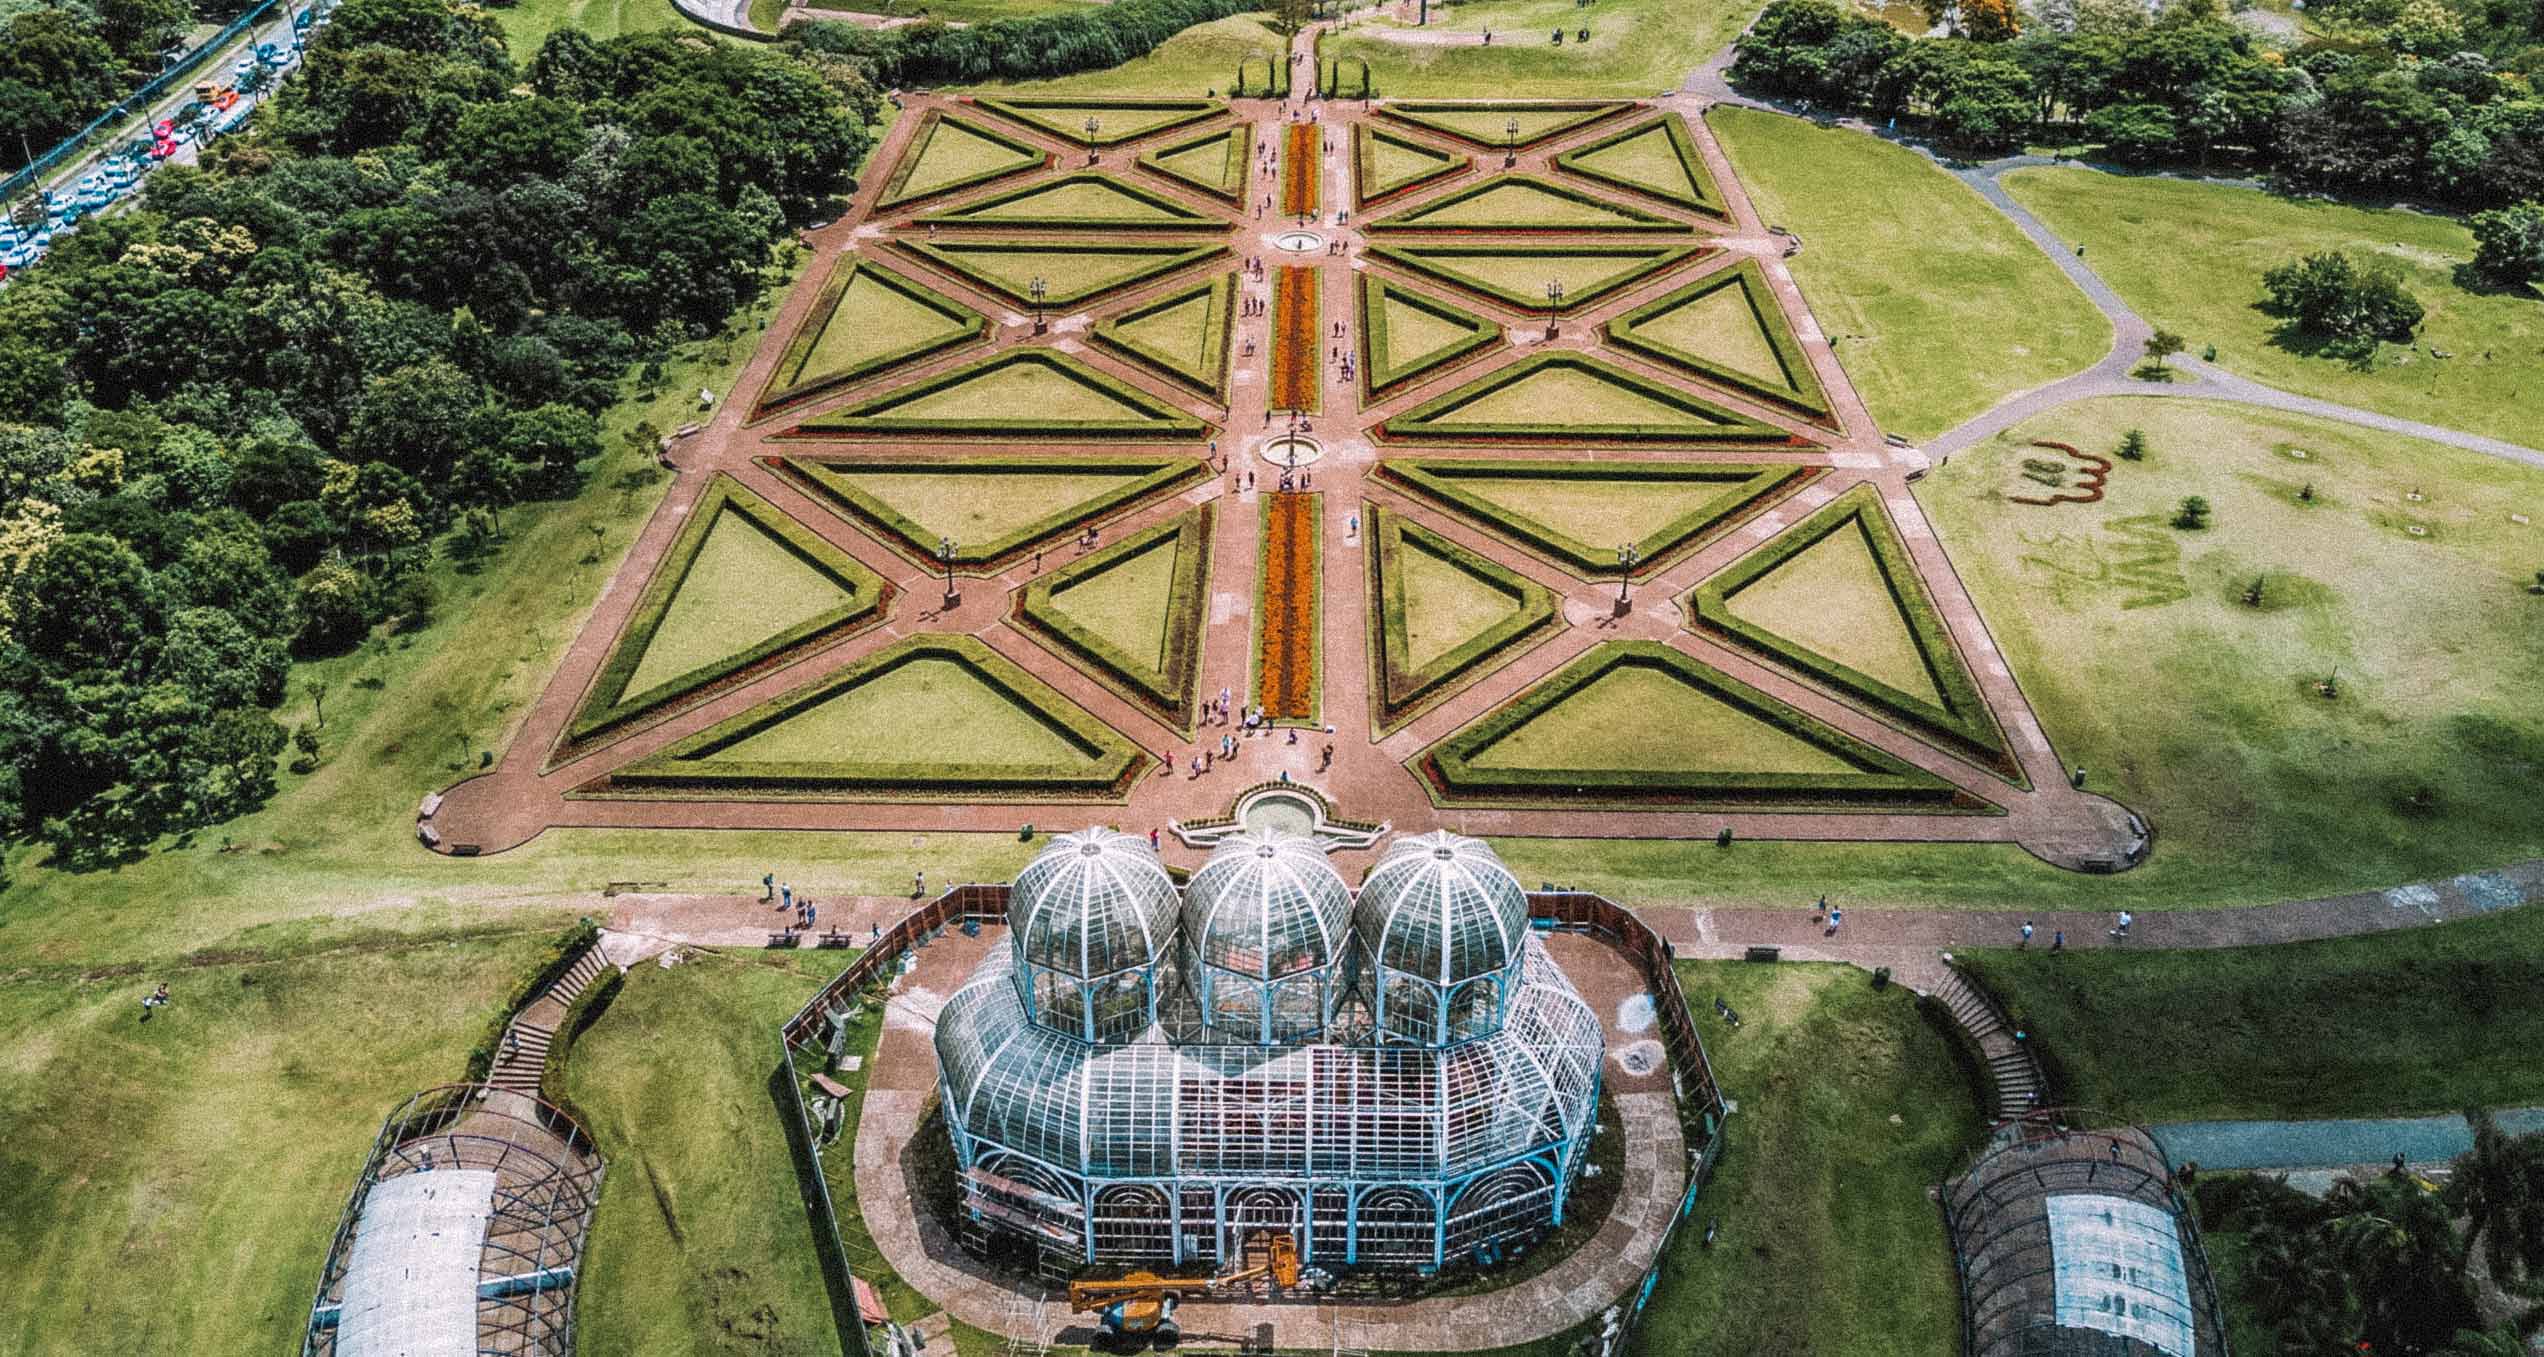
(784, 894)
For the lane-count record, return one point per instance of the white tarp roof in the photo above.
(410, 1288)
(2119, 1270)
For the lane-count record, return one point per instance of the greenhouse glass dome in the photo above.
(1255, 1095)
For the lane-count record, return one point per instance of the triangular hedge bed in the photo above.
(831, 480)
(1133, 208)
(1371, 186)
(1863, 777)
(1378, 297)
(1094, 761)
(1794, 385)
(1235, 156)
(1602, 215)
(1405, 689)
(1164, 687)
(1140, 262)
(790, 384)
(609, 710)
(1961, 721)
(1694, 420)
(1600, 268)
(1205, 372)
(1692, 186)
(1462, 485)
(1128, 412)
(897, 191)
(1134, 118)
(1481, 124)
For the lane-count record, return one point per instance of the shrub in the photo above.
(2133, 445)
(2192, 515)
(2509, 244)
(2349, 306)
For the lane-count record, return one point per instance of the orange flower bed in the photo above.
(1302, 164)
(1286, 641)
(1295, 367)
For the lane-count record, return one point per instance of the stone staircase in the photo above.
(523, 1057)
(2019, 1086)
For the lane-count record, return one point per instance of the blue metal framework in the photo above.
(1263, 1096)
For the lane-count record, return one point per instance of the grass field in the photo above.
(2189, 257)
(956, 11)
(1937, 305)
(1832, 598)
(977, 506)
(744, 587)
(2134, 645)
(929, 711)
(527, 24)
(1200, 61)
(701, 1235)
(1850, 1106)
(1446, 604)
(1125, 603)
(176, 1184)
(1637, 48)
(2428, 1020)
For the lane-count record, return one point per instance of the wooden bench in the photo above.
(782, 938)
(836, 938)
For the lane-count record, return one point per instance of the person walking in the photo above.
(918, 885)
(2027, 932)
(786, 896)
(2120, 930)
(768, 887)
(811, 912)
(1836, 918)
(2058, 940)
(1152, 838)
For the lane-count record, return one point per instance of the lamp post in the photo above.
(945, 553)
(1510, 147)
(1554, 303)
(1036, 289)
(1626, 557)
(1094, 125)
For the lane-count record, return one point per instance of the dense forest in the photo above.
(2424, 97)
(236, 422)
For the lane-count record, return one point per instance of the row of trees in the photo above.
(2385, 1265)
(236, 423)
(1089, 39)
(2405, 106)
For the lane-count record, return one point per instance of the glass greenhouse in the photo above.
(1151, 1075)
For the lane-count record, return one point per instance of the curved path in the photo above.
(2112, 375)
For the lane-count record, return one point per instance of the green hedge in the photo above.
(1182, 218)
(823, 478)
(1211, 379)
(1879, 782)
(558, 958)
(1066, 118)
(1801, 389)
(1751, 487)
(1963, 723)
(1333, 76)
(1425, 115)
(1698, 194)
(1636, 262)
(1164, 258)
(1275, 83)
(1403, 691)
(1230, 186)
(607, 707)
(1114, 762)
(1630, 219)
(873, 416)
(1165, 688)
(1376, 377)
(1421, 423)
(936, 120)
(1365, 186)
(799, 350)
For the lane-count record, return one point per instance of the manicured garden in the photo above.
(1215, 162)
(1441, 617)
(1937, 305)
(1115, 119)
(1289, 609)
(1656, 157)
(866, 320)
(1012, 394)
(1567, 509)
(1134, 612)
(2189, 257)
(1086, 200)
(1302, 169)
(1851, 1106)
(1566, 397)
(1298, 360)
(1385, 164)
(1518, 275)
(1072, 270)
(992, 510)
(949, 153)
(1638, 724)
(1182, 336)
(1523, 203)
(1727, 328)
(1406, 334)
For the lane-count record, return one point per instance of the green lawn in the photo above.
(872, 320)
(1637, 48)
(1125, 603)
(1639, 716)
(977, 506)
(745, 585)
(1938, 306)
(175, 1184)
(1446, 604)
(928, 711)
(2189, 257)
(2426, 1020)
(1850, 1106)
(1832, 598)
(528, 23)
(1200, 61)
(956, 11)
(701, 1234)
(2135, 648)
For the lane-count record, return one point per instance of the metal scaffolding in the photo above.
(1268, 1091)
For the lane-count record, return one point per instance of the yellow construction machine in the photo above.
(1140, 1308)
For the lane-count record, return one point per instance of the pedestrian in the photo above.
(1836, 917)
(2027, 932)
(1821, 908)
(1326, 759)
(1152, 838)
(2121, 929)
(768, 887)
(812, 912)
(2058, 940)
(1196, 765)
(878, 932)
(1351, 526)
(918, 885)
(786, 896)
(1037, 565)
(1293, 735)
(512, 1043)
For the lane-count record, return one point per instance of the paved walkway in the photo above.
(2320, 1144)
